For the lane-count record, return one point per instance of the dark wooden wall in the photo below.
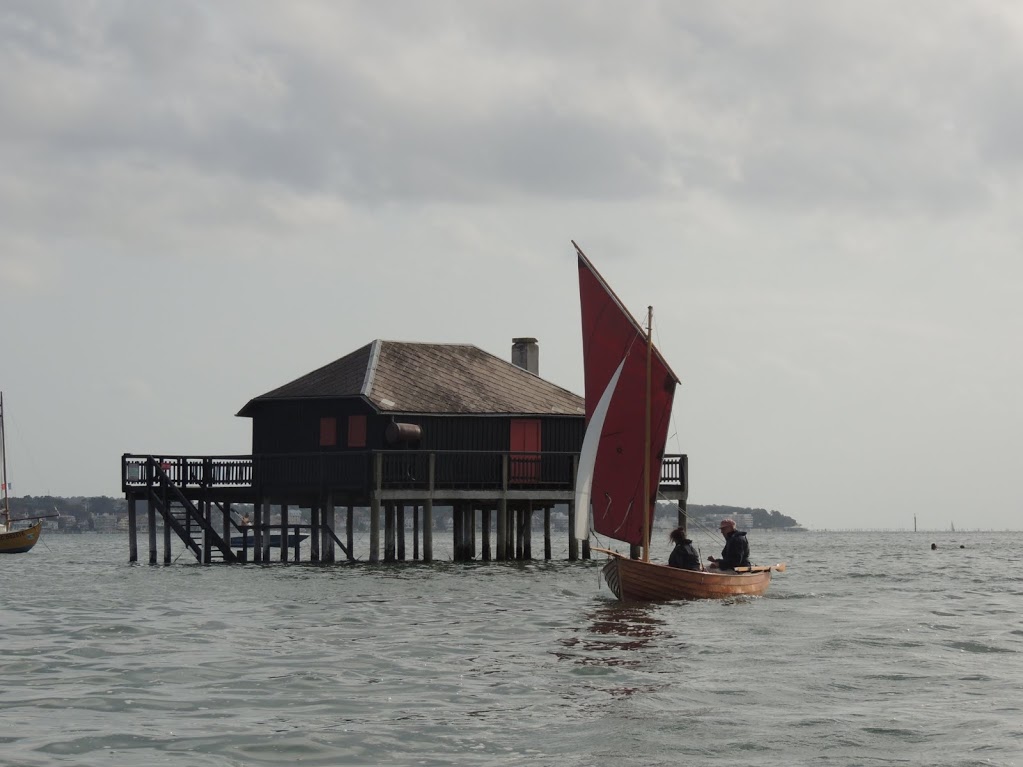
(294, 427)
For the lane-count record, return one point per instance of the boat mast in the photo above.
(647, 501)
(3, 460)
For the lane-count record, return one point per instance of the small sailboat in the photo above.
(629, 393)
(12, 541)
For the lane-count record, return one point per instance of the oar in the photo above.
(780, 568)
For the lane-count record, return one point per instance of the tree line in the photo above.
(711, 514)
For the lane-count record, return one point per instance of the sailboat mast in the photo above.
(3, 460)
(647, 501)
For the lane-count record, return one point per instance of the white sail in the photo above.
(588, 457)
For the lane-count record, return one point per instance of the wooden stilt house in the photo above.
(390, 426)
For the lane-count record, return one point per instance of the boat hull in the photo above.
(633, 580)
(20, 541)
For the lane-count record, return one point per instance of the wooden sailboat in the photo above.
(12, 541)
(641, 580)
(629, 393)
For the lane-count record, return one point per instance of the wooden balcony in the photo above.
(360, 473)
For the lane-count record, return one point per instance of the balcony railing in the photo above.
(452, 469)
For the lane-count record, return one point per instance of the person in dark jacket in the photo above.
(683, 555)
(736, 551)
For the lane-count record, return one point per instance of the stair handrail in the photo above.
(156, 470)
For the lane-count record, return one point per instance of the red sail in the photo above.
(610, 333)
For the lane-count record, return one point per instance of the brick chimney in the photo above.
(526, 354)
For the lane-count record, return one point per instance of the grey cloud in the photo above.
(780, 105)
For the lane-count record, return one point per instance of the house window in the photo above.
(328, 431)
(525, 450)
(356, 431)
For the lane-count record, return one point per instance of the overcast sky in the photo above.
(201, 201)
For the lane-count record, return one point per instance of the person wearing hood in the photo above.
(683, 555)
(736, 551)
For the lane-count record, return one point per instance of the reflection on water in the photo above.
(635, 622)
(618, 636)
(621, 636)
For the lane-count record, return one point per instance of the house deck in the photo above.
(193, 495)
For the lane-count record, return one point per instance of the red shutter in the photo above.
(525, 438)
(356, 431)
(328, 431)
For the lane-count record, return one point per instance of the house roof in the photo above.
(401, 377)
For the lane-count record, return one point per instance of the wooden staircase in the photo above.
(186, 519)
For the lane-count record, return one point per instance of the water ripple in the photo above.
(873, 657)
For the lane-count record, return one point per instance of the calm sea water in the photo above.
(870, 649)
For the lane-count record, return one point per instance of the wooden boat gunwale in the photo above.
(20, 541)
(637, 580)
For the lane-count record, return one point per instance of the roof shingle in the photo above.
(405, 377)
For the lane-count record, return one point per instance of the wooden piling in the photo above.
(415, 532)
(547, 532)
(374, 530)
(226, 522)
(388, 532)
(166, 540)
(527, 532)
(428, 511)
(470, 530)
(463, 530)
(284, 532)
(456, 523)
(485, 531)
(328, 522)
(151, 519)
(315, 532)
(257, 532)
(133, 543)
(256, 537)
(517, 531)
(573, 542)
(350, 532)
(374, 511)
(502, 513)
(265, 531)
(207, 530)
(399, 524)
(683, 501)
